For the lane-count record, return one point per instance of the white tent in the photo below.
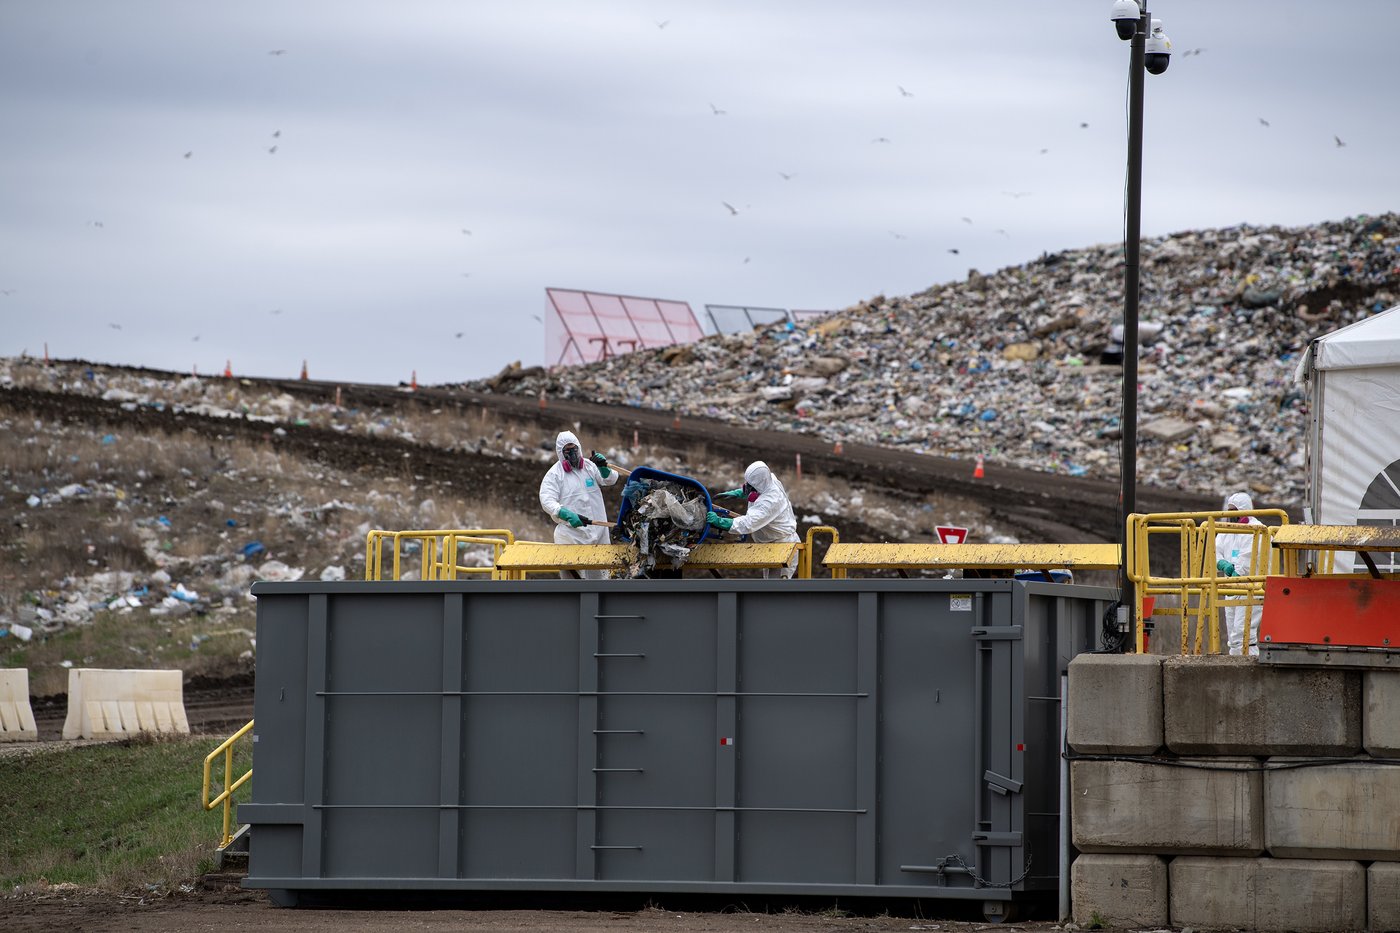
(1353, 388)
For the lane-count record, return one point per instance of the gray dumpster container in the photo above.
(830, 737)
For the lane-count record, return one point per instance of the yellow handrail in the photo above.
(230, 785)
(439, 550)
(804, 563)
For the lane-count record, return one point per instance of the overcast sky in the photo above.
(358, 182)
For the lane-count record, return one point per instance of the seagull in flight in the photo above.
(1083, 126)
(115, 326)
(195, 339)
(278, 52)
(967, 220)
(95, 223)
(880, 139)
(733, 211)
(716, 111)
(466, 231)
(459, 335)
(903, 92)
(898, 236)
(1263, 122)
(276, 133)
(1338, 141)
(190, 153)
(663, 24)
(953, 251)
(1043, 151)
(272, 150)
(1015, 194)
(538, 318)
(788, 176)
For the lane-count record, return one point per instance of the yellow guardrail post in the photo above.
(230, 785)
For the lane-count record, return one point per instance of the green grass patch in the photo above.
(116, 817)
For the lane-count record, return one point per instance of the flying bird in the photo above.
(880, 139)
(898, 236)
(278, 52)
(275, 311)
(195, 339)
(538, 318)
(1263, 122)
(1083, 126)
(716, 111)
(788, 176)
(1015, 194)
(466, 231)
(1002, 232)
(663, 24)
(1043, 151)
(276, 133)
(967, 220)
(466, 275)
(903, 92)
(115, 326)
(7, 291)
(190, 153)
(272, 150)
(953, 251)
(746, 260)
(1338, 141)
(733, 211)
(94, 223)
(459, 335)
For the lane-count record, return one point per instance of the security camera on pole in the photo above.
(1151, 52)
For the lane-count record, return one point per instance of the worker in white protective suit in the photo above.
(1234, 557)
(571, 492)
(769, 516)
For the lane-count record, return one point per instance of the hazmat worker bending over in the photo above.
(572, 495)
(1233, 557)
(769, 516)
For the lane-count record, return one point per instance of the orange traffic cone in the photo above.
(676, 421)
(978, 472)
(799, 466)
(837, 449)
(228, 369)
(303, 369)
(544, 400)
(635, 444)
(413, 381)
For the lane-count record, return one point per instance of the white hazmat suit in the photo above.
(1238, 551)
(579, 490)
(768, 518)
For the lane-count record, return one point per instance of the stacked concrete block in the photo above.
(1119, 890)
(1349, 810)
(1235, 706)
(1267, 894)
(1380, 713)
(1187, 807)
(1115, 703)
(1383, 896)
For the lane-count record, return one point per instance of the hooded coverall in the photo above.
(768, 518)
(579, 490)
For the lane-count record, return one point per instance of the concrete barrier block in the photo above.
(1169, 809)
(1342, 811)
(1267, 894)
(1237, 706)
(1383, 896)
(1119, 890)
(1115, 704)
(1380, 713)
(16, 715)
(112, 704)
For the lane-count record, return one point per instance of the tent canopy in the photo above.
(1374, 341)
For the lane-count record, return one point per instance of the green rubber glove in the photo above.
(602, 463)
(1225, 567)
(719, 521)
(732, 493)
(570, 516)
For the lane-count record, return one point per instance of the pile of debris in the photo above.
(664, 516)
(1021, 365)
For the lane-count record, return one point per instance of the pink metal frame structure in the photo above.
(584, 327)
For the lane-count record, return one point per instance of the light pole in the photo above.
(1151, 51)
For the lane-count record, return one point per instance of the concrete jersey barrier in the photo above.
(16, 715)
(112, 704)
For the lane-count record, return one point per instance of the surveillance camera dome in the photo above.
(1158, 52)
(1125, 15)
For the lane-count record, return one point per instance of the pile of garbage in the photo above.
(1019, 366)
(664, 516)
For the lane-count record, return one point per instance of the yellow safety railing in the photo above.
(1199, 590)
(440, 551)
(230, 785)
(804, 563)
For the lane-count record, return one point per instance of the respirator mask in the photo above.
(572, 459)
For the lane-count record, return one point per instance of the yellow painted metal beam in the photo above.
(531, 556)
(1338, 537)
(721, 556)
(985, 556)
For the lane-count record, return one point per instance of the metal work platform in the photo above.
(846, 557)
(852, 737)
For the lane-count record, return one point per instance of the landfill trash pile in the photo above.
(664, 518)
(1019, 365)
